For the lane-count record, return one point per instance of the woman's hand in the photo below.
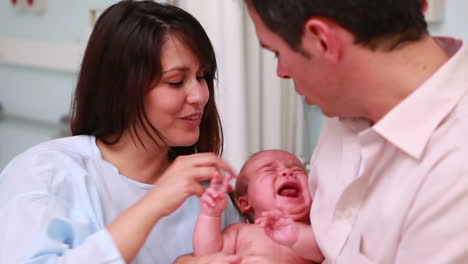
(182, 179)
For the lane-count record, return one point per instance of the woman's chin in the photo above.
(182, 138)
(184, 143)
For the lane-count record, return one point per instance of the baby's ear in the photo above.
(244, 205)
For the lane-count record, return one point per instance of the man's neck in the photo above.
(388, 77)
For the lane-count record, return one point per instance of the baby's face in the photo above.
(278, 180)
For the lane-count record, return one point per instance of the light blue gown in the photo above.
(57, 198)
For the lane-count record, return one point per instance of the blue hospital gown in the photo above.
(57, 198)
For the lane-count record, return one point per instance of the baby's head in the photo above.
(273, 179)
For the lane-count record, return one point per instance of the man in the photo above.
(390, 170)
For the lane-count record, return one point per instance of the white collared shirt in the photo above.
(397, 192)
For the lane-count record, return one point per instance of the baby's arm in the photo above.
(306, 245)
(295, 235)
(230, 235)
(208, 238)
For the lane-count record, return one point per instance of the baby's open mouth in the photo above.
(289, 189)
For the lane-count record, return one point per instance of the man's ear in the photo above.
(244, 205)
(321, 37)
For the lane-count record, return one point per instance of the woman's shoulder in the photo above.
(51, 160)
(75, 147)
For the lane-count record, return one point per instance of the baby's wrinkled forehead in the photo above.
(271, 158)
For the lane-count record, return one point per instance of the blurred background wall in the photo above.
(36, 89)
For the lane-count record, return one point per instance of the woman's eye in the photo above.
(176, 84)
(201, 77)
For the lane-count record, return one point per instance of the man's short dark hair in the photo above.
(374, 23)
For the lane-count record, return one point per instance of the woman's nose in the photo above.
(198, 93)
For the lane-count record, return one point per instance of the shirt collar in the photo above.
(411, 123)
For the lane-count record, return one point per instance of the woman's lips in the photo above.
(192, 121)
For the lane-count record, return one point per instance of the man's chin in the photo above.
(330, 114)
(309, 101)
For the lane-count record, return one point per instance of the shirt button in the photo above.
(345, 214)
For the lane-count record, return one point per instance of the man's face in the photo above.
(311, 72)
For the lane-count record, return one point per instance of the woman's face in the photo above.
(175, 105)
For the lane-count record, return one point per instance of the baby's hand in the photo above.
(279, 227)
(214, 199)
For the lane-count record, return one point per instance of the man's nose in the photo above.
(281, 73)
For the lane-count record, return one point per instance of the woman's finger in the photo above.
(198, 190)
(207, 159)
(199, 174)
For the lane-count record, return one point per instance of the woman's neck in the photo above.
(134, 161)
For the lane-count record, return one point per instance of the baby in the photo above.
(271, 190)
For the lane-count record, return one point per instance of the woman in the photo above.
(146, 133)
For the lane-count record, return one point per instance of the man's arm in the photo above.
(437, 228)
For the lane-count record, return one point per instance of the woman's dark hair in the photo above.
(121, 64)
(372, 22)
